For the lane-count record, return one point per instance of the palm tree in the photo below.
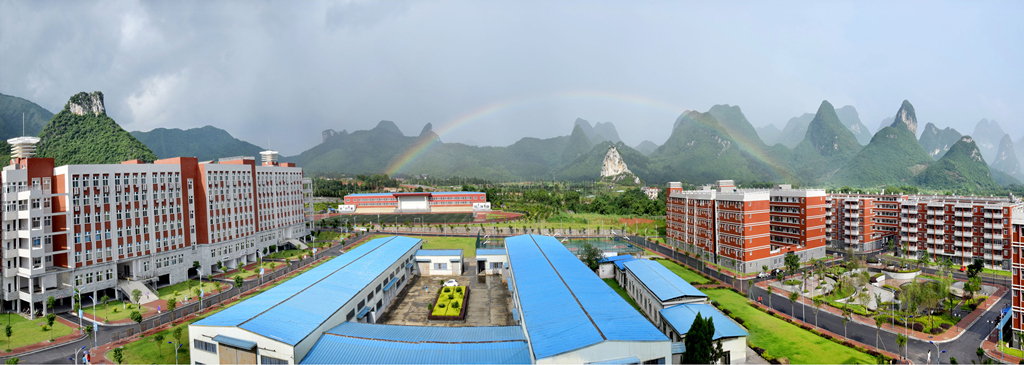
(793, 296)
(770, 296)
(817, 306)
(847, 315)
(901, 341)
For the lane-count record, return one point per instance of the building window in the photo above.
(441, 266)
(267, 360)
(205, 346)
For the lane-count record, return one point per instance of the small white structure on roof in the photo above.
(440, 262)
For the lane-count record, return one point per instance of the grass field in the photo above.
(996, 272)
(782, 339)
(466, 244)
(28, 332)
(622, 292)
(689, 275)
(289, 254)
(182, 288)
(108, 313)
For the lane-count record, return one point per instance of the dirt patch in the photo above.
(636, 221)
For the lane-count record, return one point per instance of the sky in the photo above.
(491, 72)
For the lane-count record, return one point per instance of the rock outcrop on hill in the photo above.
(83, 103)
(614, 169)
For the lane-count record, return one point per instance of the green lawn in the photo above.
(996, 272)
(28, 332)
(622, 292)
(1010, 350)
(690, 276)
(115, 310)
(289, 254)
(182, 288)
(782, 339)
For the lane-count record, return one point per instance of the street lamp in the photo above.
(96, 325)
(76, 355)
(938, 354)
(175, 352)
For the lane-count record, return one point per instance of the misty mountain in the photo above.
(963, 167)
(937, 141)
(892, 157)
(885, 123)
(987, 135)
(588, 165)
(646, 147)
(770, 134)
(1006, 159)
(827, 145)
(602, 131)
(731, 118)
(795, 130)
(578, 144)
(206, 143)
(851, 119)
(699, 150)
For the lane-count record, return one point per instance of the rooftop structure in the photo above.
(661, 281)
(359, 343)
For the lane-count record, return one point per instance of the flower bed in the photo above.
(450, 304)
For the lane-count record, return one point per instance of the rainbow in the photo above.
(412, 153)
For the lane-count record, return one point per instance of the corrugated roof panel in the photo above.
(360, 343)
(439, 252)
(616, 258)
(298, 303)
(455, 192)
(681, 318)
(555, 322)
(234, 342)
(490, 251)
(621, 264)
(661, 281)
(622, 361)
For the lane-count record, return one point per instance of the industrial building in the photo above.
(654, 287)
(677, 320)
(745, 229)
(358, 343)
(281, 325)
(425, 202)
(490, 261)
(108, 229)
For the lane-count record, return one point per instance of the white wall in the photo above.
(611, 350)
(503, 259)
(606, 270)
(452, 268)
(264, 345)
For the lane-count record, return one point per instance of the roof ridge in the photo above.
(587, 313)
(663, 277)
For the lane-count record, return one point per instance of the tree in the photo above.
(119, 355)
(8, 331)
(818, 301)
(50, 303)
(105, 298)
(975, 268)
(159, 338)
(700, 346)
(924, 260)
(88, 331)
(793, 296)
(590, 255)
(980, 352)
(847, 315)
(171, 304)
(878, 328)
(765, 269)
(238, 283)
(137, 317)
(13, 360)
(136, 294)
(792, 263)
(901, 341)
(50, 318)
(177, 333)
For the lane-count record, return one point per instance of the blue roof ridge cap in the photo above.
(567, 287)
(315, 282)
(647, 264)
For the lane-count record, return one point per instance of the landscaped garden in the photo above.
(289, 254)
(115, 310)
(26, 332)
(450, 302)
(180, 290)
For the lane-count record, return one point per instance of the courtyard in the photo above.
(488, 303)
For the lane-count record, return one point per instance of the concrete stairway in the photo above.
(127, 286)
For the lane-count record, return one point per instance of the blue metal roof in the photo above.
(360, 343)
(681, 318)
(490, 251)
(363, 312)
(291, 311)
(234, 342)
(547, 276)
(621, 264)
(616, 258)
(661, 281)
(439, 252)
(390, 284)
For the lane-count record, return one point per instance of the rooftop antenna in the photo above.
(22, 124)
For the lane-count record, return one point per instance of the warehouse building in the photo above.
(678, 319)
(425, 202)
(358, 343)
(654, 287)
(490, 261)
(569, 314)
(280, 325)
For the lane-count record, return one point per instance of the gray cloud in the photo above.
(492, 72)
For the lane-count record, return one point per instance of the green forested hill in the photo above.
(578, 145)
(1006, 159)
(11, 110)
(89, 138)
(892, 157)
(731, 118)
(851, 119)
(937, 141)
(827, 145)
(962, 169)
(206, 143)
(700, 150)
(588, 166)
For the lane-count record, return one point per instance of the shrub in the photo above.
(739, 320)
(451, 296)
(455, 304)
(447, 290)
(458, 289)
(918, 327)
(726, 311)
(45, 328)
(945, 326)
(771, 313)
(440, 305)
(935, 330)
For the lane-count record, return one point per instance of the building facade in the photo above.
(425, 202)
(93, 228)
(1017, 263)
(745, 229)
(862, 222)
(961, 229)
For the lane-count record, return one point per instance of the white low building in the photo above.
(439, 262)
(654, 287)
(491, 261)
(678, 319)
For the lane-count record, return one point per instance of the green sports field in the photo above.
(390, 219)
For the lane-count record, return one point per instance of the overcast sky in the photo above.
(491, 72)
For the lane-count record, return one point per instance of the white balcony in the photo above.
(990, 226)
(994, 215)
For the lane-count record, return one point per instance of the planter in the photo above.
(462, 310)
(896, 275)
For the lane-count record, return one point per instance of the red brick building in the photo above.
(862, 222)
(745, 229)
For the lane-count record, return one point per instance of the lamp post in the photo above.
(175, 351)
(96, 325)
(938, 354)
(75, 358)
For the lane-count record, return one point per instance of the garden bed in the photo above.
(451, 304)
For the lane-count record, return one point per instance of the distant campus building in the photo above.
(421, 202)
(97, 228)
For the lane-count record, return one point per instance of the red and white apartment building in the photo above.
(98, 228)
(1017, 262)
(745, 229)
(862, 222)
(418, 202)
(962, 229)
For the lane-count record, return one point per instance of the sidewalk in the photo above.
(75, 335)
(950, 334)
(992, 351)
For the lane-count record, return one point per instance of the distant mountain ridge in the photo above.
(205, 143)
(937, 141)
(893, 156)
(962, 166)
(602, 131)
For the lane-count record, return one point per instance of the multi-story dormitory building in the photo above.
(96, 228)
(1016, 238)
(962, 229)
(745, 229)
(862, 222)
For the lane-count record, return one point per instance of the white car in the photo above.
(451, 282)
